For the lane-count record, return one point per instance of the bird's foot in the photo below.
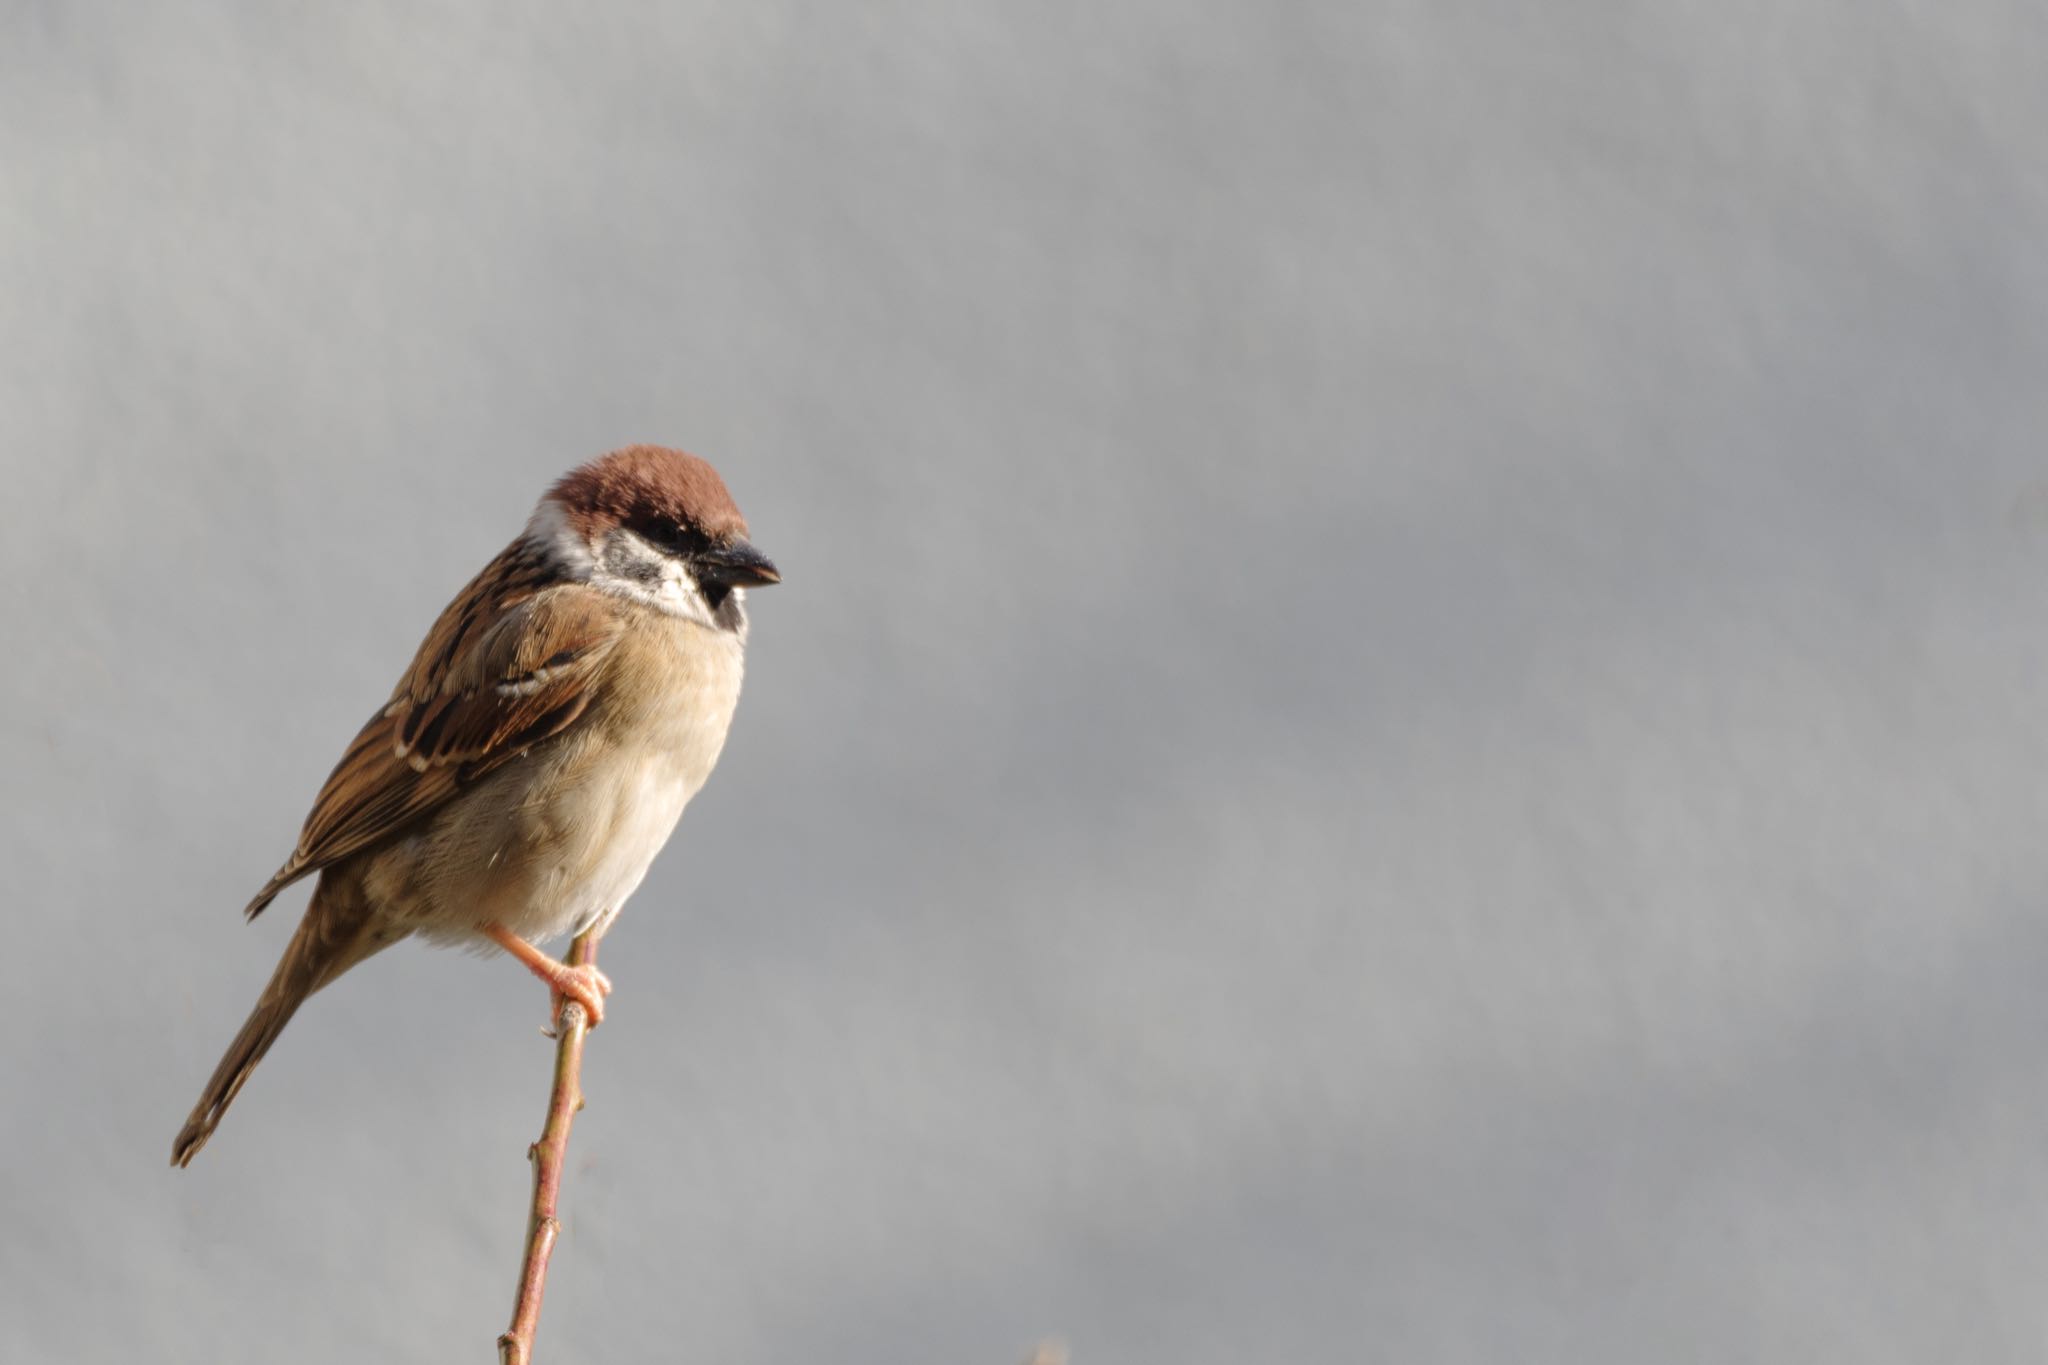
(583, 982)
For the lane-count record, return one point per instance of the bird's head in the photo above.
(659, 526)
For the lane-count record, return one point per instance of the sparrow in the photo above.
(538, 752)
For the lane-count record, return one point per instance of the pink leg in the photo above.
(584, 984)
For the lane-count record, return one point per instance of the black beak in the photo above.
(738, 565)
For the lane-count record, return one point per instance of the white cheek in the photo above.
(677, 589)
(549, 529)
(671, 590)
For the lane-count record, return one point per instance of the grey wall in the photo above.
(1406, 723)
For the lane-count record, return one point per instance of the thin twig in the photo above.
(547, 1155)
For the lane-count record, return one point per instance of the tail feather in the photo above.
(266, 1021)
(336, 933)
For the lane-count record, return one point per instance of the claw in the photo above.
(583, 983)
(586, 985)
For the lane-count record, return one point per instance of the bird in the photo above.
(538, 752)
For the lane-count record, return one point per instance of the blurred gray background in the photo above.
(1406, 725)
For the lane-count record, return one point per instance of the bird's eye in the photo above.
(669, 536)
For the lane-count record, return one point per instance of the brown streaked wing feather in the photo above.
(509, 664)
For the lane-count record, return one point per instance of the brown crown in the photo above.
(642, 482)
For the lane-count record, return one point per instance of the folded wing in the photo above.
(509, 665)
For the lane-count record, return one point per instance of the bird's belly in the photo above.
(638, 814)
(555, 841)
(552, 855)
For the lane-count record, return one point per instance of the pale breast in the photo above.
(555, 842)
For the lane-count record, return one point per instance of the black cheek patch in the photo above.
(620, 560)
